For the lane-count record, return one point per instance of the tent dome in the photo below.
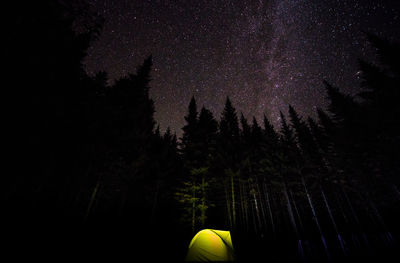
(211, 245)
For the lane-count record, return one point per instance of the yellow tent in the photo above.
(211, 245)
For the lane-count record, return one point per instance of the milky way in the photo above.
(264, 55)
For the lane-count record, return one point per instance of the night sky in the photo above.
(262, 54)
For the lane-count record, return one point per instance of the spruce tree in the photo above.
(229, 157)
(380, 110)
(320, 137)
(269, 131)
(342, 107)
(207, 136)
(196, 147)
(305, 139)
(256, 132)
(229, 125)
(286, 132)
(245, 131)
(327, 124)
(189, 140)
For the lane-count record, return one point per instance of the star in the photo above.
(262, 54)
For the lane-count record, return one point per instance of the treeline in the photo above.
(331, 180)
(89, 152)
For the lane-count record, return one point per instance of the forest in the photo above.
(95, 175)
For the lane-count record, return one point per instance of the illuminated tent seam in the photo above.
(230, 247)
(211, 245)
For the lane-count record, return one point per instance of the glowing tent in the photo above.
(211, 245)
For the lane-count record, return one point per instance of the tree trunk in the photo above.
(92, 199)
(228, 204)
(203, 203)
(194, 208)
(153, 210)
(269, 208)
(233, 202)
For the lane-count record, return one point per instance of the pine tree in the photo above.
(132, 167)
(189, 138)
(229, 157)
(321, 139)
(207, 132)
(245, 131)
(207, 135)
(388, 53)
(326, 122)
(269, 131)
(291, 160)
(146, 104)
(380, 109)
(133, 108)
(305, 139)
(286, 132)
(380, 87)
(166, 170)
(197, 147)
(342, 107)
(229, 125)
(256, 132)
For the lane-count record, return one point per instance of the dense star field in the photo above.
(264, 55)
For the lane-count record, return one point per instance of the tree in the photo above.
(189, 138)
(207, 139)
(343, 108)
(197, 147)
(320, 138)
(49, 101)
(246, 130)
(269, 131)
(229, 125)
(207, 135)
(228, 155)
(380, 87)
(286, 132)
(132, 113)
(256, 132)
(380, 109)
(305, 139)
(327, 124)
(388, 53)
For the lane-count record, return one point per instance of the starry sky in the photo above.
(263, 54)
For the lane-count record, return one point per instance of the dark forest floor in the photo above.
(118, 243)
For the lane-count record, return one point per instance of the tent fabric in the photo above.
(210, 245)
